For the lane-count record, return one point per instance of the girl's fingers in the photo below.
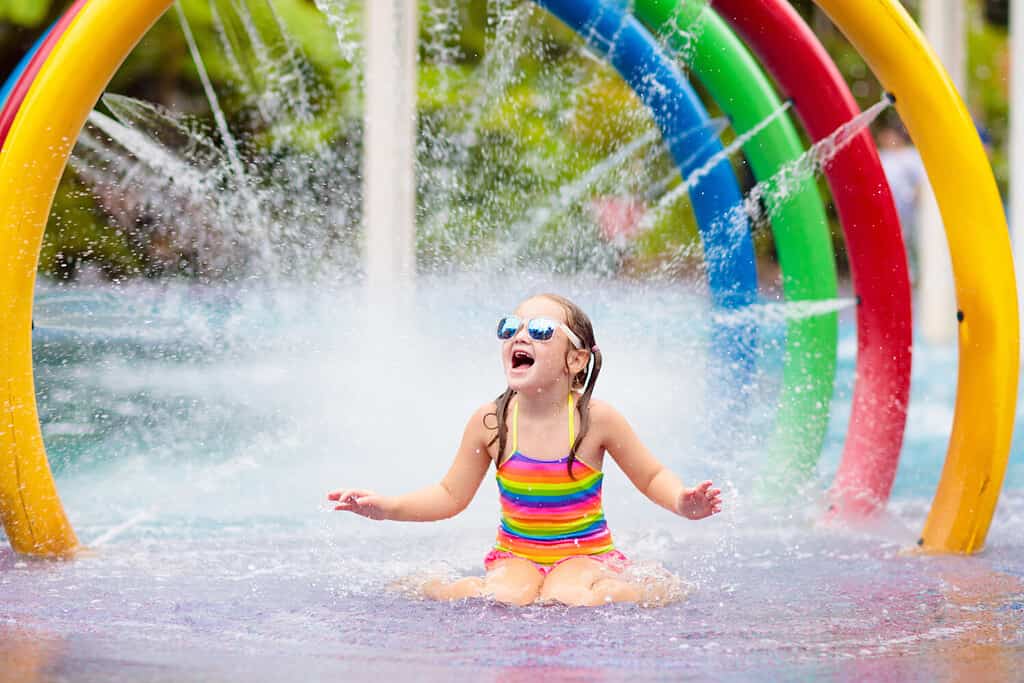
(358, 506)
(346, 495)
(344, 505)
(346, 499)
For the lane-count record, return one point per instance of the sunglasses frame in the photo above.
(573, 338)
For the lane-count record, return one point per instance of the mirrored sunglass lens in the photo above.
(507, 327)
(541, 330)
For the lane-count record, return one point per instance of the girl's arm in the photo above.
(440, 501)
(648, 475)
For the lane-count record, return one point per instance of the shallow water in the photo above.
(194, 431)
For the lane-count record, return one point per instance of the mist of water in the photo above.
(265, 199)
(701, 172)
(764, 201)
(194, 428)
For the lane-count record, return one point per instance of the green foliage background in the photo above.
(527, 140)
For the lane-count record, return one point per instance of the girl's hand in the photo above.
(699, 502)
(365, 503)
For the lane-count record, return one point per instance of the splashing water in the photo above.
(441, 26)
(279, 199)
(777, 313)
(192, 457)
(571, 196)
(698, 174)
(687, 23)
(230, 144)
(344, 17)
(193, 430)
(773, 192)
(264, 202)
(274, 82)
(763, 202)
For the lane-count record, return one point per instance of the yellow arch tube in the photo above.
(31, 164)
(94, 46)
(979, 245)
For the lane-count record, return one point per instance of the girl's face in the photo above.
(532, 365)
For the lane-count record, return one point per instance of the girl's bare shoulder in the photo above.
(605, 419)
(602, 411)
(483, 423)
(486, 408)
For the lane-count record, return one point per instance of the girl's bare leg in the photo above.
(572, 582)
(583, 582)
(615, 590)
(469, 587)
(514, 581)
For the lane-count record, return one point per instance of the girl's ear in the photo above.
(578, 359)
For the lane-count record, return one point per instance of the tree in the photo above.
(29, 13)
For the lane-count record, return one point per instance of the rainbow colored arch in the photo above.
(46, 103)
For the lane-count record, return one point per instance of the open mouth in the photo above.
(521, 359)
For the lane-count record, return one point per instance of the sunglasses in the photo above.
(539, 329)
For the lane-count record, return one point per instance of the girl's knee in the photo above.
(514, 582)
(586, 582)
(577, 571)
(570, 582)
(518, 594)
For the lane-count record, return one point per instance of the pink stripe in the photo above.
(567, 502)
(24, 84)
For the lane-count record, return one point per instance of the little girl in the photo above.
(553, 542)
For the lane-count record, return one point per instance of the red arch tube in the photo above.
(874, 245)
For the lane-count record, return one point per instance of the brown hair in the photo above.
(579, 323)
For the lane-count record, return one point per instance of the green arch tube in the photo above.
(802, 237)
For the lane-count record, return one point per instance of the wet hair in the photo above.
(579, 323)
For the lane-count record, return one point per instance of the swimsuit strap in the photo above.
(515, 424)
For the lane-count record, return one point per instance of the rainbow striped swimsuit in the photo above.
(546, 515)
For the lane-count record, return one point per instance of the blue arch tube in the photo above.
(12, 80)
(683, 120)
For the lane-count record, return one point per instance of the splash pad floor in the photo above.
(193, 435)
(271, 601)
